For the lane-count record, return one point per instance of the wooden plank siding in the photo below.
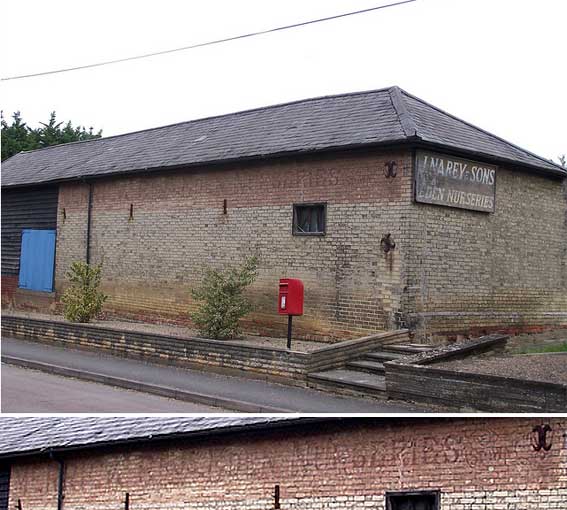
(4, 486)
(34, 208)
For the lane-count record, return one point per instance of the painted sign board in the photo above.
(454, 182)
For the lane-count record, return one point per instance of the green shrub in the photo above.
(223, 302)
(83, 300)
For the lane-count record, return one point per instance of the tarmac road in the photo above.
(32, 391)
(199, 388)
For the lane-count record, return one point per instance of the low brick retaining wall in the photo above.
(289, 367)
(415, 378)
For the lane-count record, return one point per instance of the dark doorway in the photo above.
(416, 500)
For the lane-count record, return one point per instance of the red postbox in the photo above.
(290, 301)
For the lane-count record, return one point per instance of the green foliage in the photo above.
(83, 300)
(223, 302)
(18, 136)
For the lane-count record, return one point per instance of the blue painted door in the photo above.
(37, 260)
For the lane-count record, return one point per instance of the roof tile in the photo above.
(32, 435)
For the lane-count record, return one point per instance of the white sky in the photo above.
(500, 64)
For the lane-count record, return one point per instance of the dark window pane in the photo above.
(413, 502)
(309, 219)
(303, 219)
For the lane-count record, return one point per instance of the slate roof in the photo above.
(36, 435)
(371, 118)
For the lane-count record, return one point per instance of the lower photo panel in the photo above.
(275, 462)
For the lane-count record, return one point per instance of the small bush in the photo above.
(83, 300)
(223, 303)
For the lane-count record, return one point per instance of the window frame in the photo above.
(436, 493)
(296, 232)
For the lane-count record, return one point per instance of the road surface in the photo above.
(207, 388)
(31, 391)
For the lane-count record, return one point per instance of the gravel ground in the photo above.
(536, 367)
(184, 332)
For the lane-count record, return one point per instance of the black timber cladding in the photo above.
(4, 486)
(33, 208)
(382, 117)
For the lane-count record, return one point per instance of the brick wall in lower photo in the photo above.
(429, 463)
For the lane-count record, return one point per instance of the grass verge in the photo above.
(560, 347)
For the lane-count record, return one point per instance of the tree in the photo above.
(16, 137)
(19, 136)
(562, 160)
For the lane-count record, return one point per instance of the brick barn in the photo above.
(393, 212)
(237, 463)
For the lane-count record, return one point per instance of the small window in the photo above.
(416, 500)
(309, 219)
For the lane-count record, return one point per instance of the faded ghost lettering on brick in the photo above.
(454, 182)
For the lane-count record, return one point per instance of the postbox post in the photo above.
(290, 302)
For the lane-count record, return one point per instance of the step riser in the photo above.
(380, 359)
(404, 350)
(346, 389)
(368, 370)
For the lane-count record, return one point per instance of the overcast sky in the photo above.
(500, 64)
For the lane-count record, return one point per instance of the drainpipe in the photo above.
(89, 214)
(60, 480)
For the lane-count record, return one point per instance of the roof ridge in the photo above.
(238, 112)
(409, 127)
(548, 161)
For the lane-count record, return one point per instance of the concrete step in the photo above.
(381, 356)
(371, 367)
(349, 382)
(407, 348)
